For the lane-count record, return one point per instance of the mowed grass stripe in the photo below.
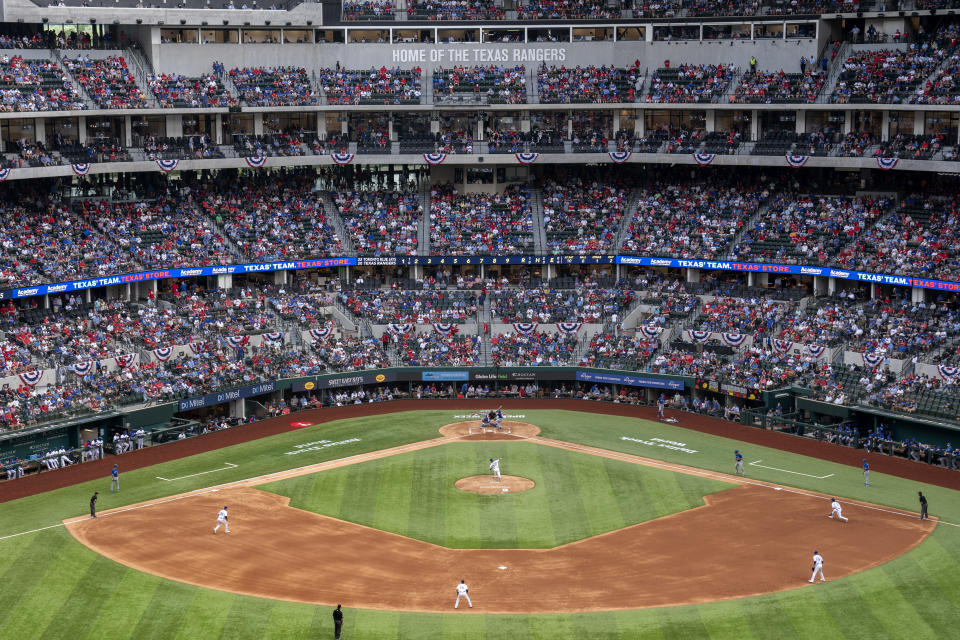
(923, 595)
(429, 498)
(627, 625)
(549, 628)
(769, 621)
(534, 519)
(939, 560)
(59, 574)
(31, 565)
(729, 619)
(392, 508)
(117, 614)
(889, 606)
(848, 609)
(291, 621)
(163, 614)
(681, 624)
(455, 627)
(568, 514)
(359, 501)
(247, 616)
(206, 614)
(95, 585)
(366, 624)
(808, 614)
(599, 497)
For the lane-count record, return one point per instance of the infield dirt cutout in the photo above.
(488, 485)
(473, 430)
(745, 541)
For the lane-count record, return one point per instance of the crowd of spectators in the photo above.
(107, 81)
(582, 216)
(886, 76)
(591, 305)
(532, 349)
(686, 220)
(277, 216)
(590, 84)
(367, 10)
(494, 84)
(566, 10)
(778, 86)
(274, 86)
(35, 85)
(618, 351)
(431, 349)
(480, 223)
(808, 229)
(178, 91)
(374, 86)
(690, 83)
(392, 306)
(380, 222)
(454, 10)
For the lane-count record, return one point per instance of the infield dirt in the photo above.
(746, 541)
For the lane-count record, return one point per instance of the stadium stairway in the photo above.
(333, 216)
(748, 224)
(539, 235)
(57, 56)
(633, 202)
(140, 69)
(423, 227)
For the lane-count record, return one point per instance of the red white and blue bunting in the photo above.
(948, 373)
(82, 368)
(400, 328)
(734, 339)
(443, 328)
(526, 158)
(167, 165)
(4, 174)
(651, 331)
(569, 327)
(703, 159)
(698, 336)
(796, 161)
(256, 162)
(319, 334)
(198, 347)
(873, 360)
(887, 163)
(619, 157)
(274, 337)
(238, 342)
(81, 168)
(433, 159)
(32, 378)
(525, 328)
(342, 158)
(816, 350)
(163, 353)
(782, 346)
(125, 360)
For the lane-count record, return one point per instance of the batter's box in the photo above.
(474, 431)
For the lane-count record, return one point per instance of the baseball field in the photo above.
(623, 527)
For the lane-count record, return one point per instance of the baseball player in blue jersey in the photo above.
(738, 468)
(661, 403)
(485, 420)
(115, 478)
(498, 420)
(866, 473)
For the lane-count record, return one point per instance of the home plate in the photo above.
(502, 568)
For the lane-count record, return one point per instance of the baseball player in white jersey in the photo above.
(222, 520)
(462, 593)
(837, 510)
(817, 566)
(495, 467)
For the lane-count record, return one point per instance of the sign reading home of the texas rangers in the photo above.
(479, 54)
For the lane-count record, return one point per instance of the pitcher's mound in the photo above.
(473, 430)
(488, 485)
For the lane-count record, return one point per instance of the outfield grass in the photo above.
(576, 495)
(53, 587)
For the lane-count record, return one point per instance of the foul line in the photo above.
(193, 475)
(756, 463)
